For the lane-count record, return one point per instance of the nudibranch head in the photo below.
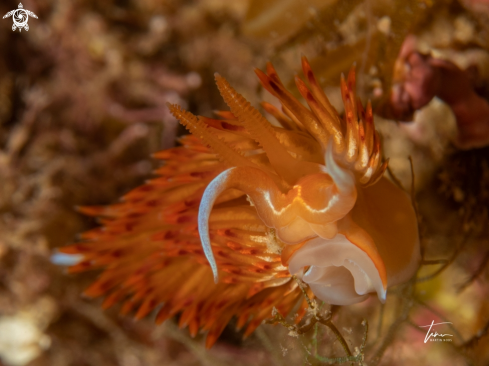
(258, 203)
(308, 196)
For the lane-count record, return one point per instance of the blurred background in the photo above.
(82, 108)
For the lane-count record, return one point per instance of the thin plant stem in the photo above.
(338, 335)
(477, 337)
(435, 261)
(448, 262)
(476, 274)
(394, 328)
(394, 178)
(304, 292)
(381, 320)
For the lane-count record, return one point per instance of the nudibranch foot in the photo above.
(325, 258)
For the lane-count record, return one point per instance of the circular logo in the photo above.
(20, 18)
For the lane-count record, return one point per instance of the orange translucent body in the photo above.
(238, 199)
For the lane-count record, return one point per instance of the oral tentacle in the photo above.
(213, 190)
(343, 179)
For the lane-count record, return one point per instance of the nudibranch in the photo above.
(243, 205)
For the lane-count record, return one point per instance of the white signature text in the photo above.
(433, 336)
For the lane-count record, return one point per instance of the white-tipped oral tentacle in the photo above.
(62, 259)
(213, 190)
(343, 179)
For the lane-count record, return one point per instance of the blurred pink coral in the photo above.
(421, 77)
